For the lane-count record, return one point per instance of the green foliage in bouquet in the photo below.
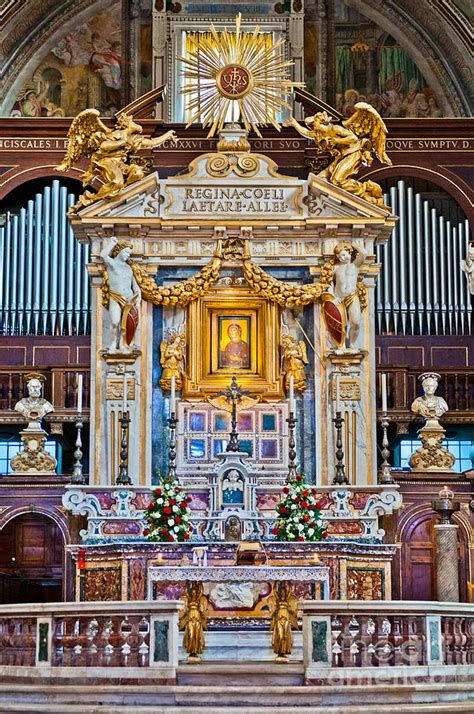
(299, 514)
(168, 513)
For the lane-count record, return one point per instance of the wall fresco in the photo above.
(83, 69)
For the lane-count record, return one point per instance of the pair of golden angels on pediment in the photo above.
(351, 145)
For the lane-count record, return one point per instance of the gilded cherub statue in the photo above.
(351, 145)
(192, 619)
(111, 153)
(172, 355)
(295, 357)
(284, 616)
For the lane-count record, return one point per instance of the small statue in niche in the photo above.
(34, 407)
(172, 356)
(121, 295)
(352, 145)
(467, 266)
(430, 406)
(295, 357)
(232, 488)
(343, 306)
(232, 529)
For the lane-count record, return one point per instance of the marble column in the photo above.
(447, 575)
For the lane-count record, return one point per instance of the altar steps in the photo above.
(448, 698)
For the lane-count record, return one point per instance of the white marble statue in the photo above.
(34, 407)
(467, 266)
(348, 259)
(123, 295)
(430, 406)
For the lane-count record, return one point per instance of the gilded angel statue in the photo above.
(352, 145)
(172, 355)
(295, 357)
(284, 616)
(192, 619)
(110, 151)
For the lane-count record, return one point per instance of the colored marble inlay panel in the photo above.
(268, 422)
(43, 633)
(161, 650)
(319, 632)
(197, 448)
(269, 448)
(197, 421)
(246, 446)
(245, 422)
(221, 422)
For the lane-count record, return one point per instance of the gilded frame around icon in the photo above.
(255, 348)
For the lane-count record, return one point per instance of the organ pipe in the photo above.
(44, 286)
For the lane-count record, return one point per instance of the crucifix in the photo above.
(233, 396)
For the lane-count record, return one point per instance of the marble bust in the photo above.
(430, 406)
(34, 407)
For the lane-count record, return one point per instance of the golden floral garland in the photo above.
(285, 294)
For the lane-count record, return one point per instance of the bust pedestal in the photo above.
(33, 458)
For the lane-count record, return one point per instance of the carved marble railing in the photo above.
(365, 640)
(122, 639)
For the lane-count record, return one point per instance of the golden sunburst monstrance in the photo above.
(242, 70)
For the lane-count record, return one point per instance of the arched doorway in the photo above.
(419, 561)
(31, 560)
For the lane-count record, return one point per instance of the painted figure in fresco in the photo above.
(295, 357)
(34, 407)
(236, 352)
(430, 406)
(121, 295)
(467, 266)
(352, 145)
(193, 619)
(284, 609)
(172, 355)
(110, 152)
(232, 488)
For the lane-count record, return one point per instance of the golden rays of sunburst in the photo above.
(238, 73)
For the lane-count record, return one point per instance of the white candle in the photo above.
(124, 405)
(79, 393)
(292, 394)
(384, 392)
(173, 395)
(338, 396)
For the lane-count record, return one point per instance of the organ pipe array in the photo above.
(421, 288)
(44, 286)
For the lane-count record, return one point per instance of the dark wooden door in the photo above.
(31, 560)
(419, 562)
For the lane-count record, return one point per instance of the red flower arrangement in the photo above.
(167, 515)
(299, 514)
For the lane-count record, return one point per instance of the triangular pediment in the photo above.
(222, 187)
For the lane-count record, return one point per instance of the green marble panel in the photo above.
(43, 635)
(161, 650)
(435, 650)
(319, 631)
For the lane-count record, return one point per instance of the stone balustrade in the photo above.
(365, 641)
(127, 640)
